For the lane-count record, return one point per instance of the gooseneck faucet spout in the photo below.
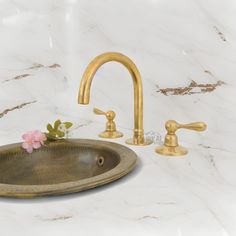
(85, 85)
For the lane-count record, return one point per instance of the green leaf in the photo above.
(60, 134)
(57, 124)
(50, 128)
(53, 133)
(67, 124)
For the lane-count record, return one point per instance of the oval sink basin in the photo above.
(62, 167)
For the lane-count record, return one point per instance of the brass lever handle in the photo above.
(171, 146)
(172, 126)
(98, 111)
(110, 115)
(110, 131)
(197, 126)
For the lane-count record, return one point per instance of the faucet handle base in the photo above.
(171, 151)
(171, 145)
(137, 142)
(111, 134)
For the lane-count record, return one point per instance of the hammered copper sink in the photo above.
(62, 167)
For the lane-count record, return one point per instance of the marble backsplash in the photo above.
(185, 51)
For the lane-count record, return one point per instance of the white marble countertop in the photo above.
(185, 51)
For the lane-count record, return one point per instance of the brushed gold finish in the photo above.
(61, 167)
(171, 146)
(110, 131)
(85, 85)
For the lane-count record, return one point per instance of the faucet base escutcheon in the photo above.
(171, 151)
(109, 134)
(136, 142)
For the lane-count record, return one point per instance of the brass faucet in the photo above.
(85, 85)
(110, 131)
(171, 145)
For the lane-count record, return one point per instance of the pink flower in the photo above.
(33, 140)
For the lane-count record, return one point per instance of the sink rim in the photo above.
(128, 160)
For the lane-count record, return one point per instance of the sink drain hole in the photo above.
(100, 161)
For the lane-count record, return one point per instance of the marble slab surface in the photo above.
(186, 53)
